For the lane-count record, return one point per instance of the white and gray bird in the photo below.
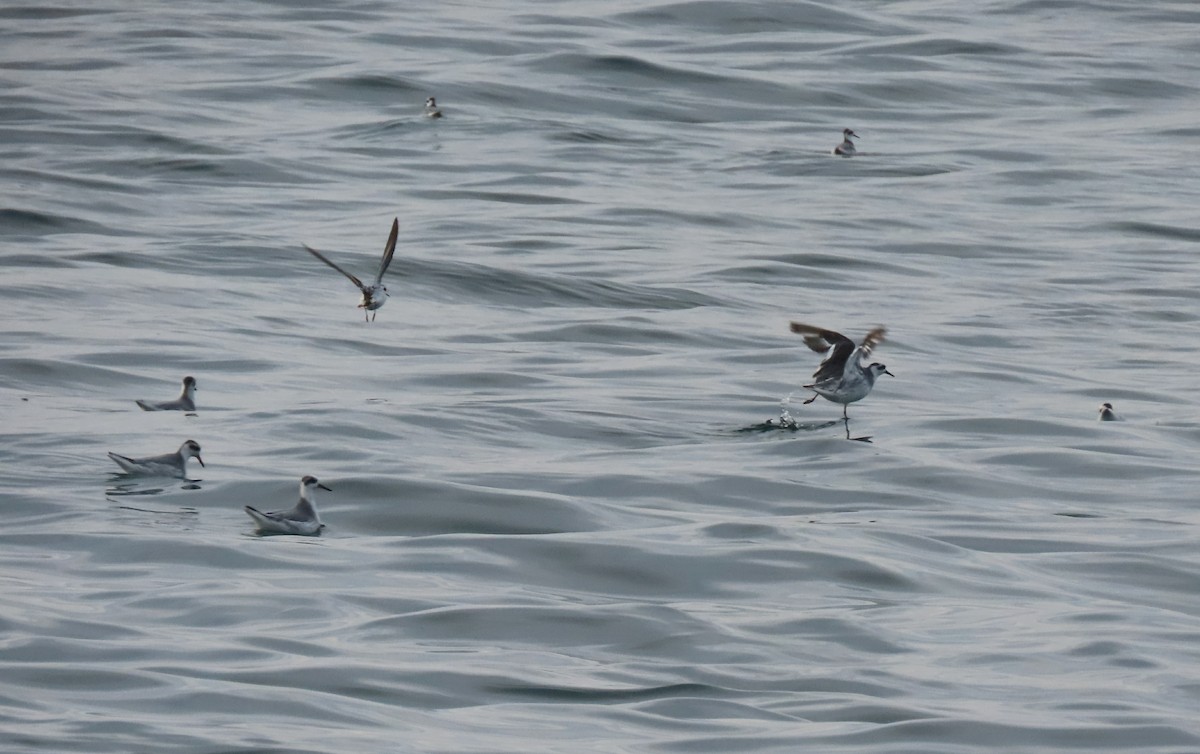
(374, 295)
(431, 109)
(168, 464)
(1108, 413)
(846, 148)
(842, 378)
(301, 519)
(185, 402)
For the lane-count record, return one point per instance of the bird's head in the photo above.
(877, 369)
(191, 449)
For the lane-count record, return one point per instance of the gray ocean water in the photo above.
(558, 521)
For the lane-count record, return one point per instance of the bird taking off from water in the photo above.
(842, 378)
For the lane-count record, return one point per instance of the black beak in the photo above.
(889, 374)
(324, 487)
(201, 461)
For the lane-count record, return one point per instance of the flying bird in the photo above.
(374, 295)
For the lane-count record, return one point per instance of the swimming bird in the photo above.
(302, 519)
(185, 402)
(1108, 413)
(374, 295)
(168, 464)
(431, 109)
(842, 378)
(846, 148)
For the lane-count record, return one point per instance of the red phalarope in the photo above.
(168, 464)
(846, 148)
(185, 402)
(374, 295)
(431, 109)
(301, 519)
(842, 378)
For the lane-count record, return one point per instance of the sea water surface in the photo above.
(559, 520)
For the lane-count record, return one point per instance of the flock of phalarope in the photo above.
(301, 519)
(841, 378)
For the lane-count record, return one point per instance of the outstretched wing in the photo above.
(872, 339)
(388, 250)
(839, 347)
(321, 256)
(820, 340)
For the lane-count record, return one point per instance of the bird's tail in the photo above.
(122, 461)
(254, 513)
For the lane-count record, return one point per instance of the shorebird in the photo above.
(168, 464)
(185, 402)
(846, 148)
(842, 378)
(374, 295)
(1108, 413)
(301, 519)
(431, 109)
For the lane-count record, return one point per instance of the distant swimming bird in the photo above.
(846, 148)
(1108, 413)
(185, 402)
(431, 109)
(374, 295)
(302, 519)
(168, 464)
(841, 378)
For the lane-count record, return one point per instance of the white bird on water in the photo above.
(185, 402)
(846, 148)
(431, 109)
(1108, 413)
(301, 519)
(374, 295)
(168, 464)
(842, 378)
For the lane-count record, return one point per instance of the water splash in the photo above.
(785, 417)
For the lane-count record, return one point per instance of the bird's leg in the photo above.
(810, 400)
(373, 315)
(865, 438)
